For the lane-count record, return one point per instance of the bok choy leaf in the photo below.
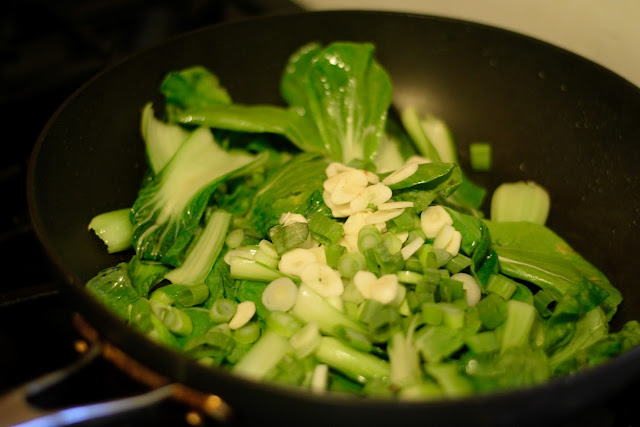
(345, 92)
(169, 207)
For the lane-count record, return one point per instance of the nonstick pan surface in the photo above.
(551, 116)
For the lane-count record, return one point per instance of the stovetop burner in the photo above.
(48, 50)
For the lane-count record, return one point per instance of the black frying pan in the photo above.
(552, 116)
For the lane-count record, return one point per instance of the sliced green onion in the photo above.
(248, 333)
(480, 156)
(541, 301)
(502, 286)
(305, 340)
(280, 294)
(263, 356)
(332, 253)
(520, 201)
(411, 277)
(114, 228)
(492, 311)
(250, 269)
(439, 342)
(268, 248)
(517, 330)
(368, 238)
(350, 263)
(234, 238)
(222, 310)
(483, 342)
(325, 228)
(213, 343)
(432, 313)
(458, 263)
(357, 365)
(176, 320)
(392, 242)
(290, 236)
(283, 323)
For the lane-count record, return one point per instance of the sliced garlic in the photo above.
(338, 211)
(385, 289)
(471, 287)
(323, 279)
(411, 248)
(401, 174)
(394, 205)
(294, 261)
(244, 312)
(289, 218)
(418, 160)
(350, 184)
(364, 280)
(453, 247)
(375, 195)
(381, 217)
(432, 219)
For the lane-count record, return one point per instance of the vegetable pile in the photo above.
(330, 245)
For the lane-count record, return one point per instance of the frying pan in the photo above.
(552, 117)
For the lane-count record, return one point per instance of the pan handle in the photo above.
(17, 410)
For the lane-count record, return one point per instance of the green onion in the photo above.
(432, 313)
(450, 379)
(413, 264)
(355, 339)
(283, 323)
(248, 333)
(368, 238)
(176, 320)
(492, 310)
(517, 330)
(290, 236)
(324, 228)
(114, 228)
(332, 253)
(520, 201)
(411, 277)
(483, 342)
(222, 310)
(388, 262)
(263, 356)
(541, 301)
(213, 343)
(450, 290)
(357, 365)
(480, 156)
(406, 221)
(350, 263)
(439, 342)
(502, 286)
(234, 238)
(305, 340)
(280, 294)
(392, 242)
(458, 263)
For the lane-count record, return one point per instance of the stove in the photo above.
(49, 49)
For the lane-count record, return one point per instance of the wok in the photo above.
(552, 117)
